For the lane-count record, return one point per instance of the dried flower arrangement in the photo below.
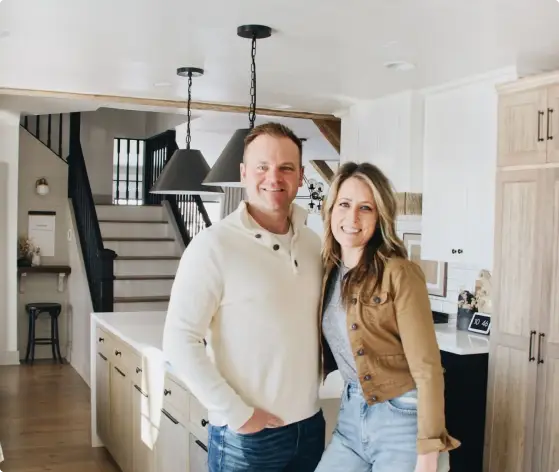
(468, 301)
(25, 250)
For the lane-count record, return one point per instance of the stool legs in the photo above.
(56, 339)
(30, 334)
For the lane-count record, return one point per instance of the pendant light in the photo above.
(187, 168)
(227, 169)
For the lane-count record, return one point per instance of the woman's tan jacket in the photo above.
(392, 336)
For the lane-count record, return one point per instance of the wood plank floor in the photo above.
(45, 421)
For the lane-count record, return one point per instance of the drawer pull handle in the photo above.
(204, 423)
(120, 371)
(169, 416)
(531, 357)
(202, 445)
(540, 338)
(140, 390)
(102, 356)
(166, 392)
(138, 370)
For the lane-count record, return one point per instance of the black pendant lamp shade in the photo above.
(226, 170)
(187, 168)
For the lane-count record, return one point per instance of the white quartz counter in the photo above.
(144, 332)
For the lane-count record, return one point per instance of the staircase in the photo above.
(147, 255)
(131, 253)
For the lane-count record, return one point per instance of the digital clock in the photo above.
(480, 323)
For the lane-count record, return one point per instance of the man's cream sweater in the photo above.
(256, 304)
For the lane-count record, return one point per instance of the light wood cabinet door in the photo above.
(518, 277)
(143, 457)
(102, 387)
(522, 128)
(171, 449)
(546, 454)
(121, 418)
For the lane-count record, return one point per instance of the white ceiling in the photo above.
(323, 56)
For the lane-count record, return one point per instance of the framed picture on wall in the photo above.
(435, 271)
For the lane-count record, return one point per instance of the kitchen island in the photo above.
(149, 421)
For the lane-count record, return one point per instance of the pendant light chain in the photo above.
(252, 109)
(188, 114)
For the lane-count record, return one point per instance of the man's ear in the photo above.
(301, 176)
(243, 172)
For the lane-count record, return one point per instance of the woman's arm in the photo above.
(415, 324)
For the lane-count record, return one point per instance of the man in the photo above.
(250, 285)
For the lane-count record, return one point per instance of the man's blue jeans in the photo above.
(296, 447)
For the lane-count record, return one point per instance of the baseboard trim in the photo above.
(9, 358)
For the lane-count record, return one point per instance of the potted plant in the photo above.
(25, 251)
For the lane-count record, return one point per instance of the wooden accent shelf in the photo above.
(61, 270)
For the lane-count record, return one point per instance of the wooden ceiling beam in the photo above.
(331, 130)
(324, 170)
(106, 100)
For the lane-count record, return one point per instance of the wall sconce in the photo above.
(42, 186)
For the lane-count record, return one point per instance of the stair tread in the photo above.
(161, 222)
(141, 299)
(147, 258)
(138, 239)
(144, 277)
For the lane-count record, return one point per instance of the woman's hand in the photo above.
(427, 462)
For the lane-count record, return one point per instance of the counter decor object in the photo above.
(467, 306)
(480, 323)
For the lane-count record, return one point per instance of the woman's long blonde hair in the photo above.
(384, 243)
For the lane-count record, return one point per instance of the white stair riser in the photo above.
(143, 248)
(146, 267)
(134, 230)
(130, 212)
(140, 306)
(143, 288)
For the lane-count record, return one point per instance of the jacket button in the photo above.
(276, 247)
(374, 398)
(353, 326)
(376, 299)
(257, 235)
(354, 301)
(360, 352)
(367, 377)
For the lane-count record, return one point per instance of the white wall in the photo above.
(98, 130)
(9, 154)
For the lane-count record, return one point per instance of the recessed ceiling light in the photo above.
(162, 84)
(399, 65)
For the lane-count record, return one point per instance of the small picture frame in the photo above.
(480, 323)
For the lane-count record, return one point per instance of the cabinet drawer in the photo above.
(198, 419)
(121, 356)
(177, 396)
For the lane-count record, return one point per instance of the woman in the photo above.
(378, 330)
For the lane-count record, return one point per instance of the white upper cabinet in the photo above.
(387, 132)
(459, 161)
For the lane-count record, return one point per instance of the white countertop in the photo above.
(144, 332)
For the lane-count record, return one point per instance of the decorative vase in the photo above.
(36, 259)
(24, 262)
(463, 318)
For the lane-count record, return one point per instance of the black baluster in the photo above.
(127, 168)
(60, 151)
(117, 170)
(49, 129)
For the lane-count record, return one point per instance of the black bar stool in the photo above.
(34, 310)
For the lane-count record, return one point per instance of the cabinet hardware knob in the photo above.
(549, 113)
(166, 392)
(540, 359)
(138, 370)
(460, 251)
(118, 353)
(453, 251)
(540, 115)
(204, 423)
(101, 340)
(531, 358)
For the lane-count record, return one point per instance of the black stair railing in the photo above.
(51, 130)
(99, 262)
(189, 210)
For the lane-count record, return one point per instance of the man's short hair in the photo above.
(279, 131)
